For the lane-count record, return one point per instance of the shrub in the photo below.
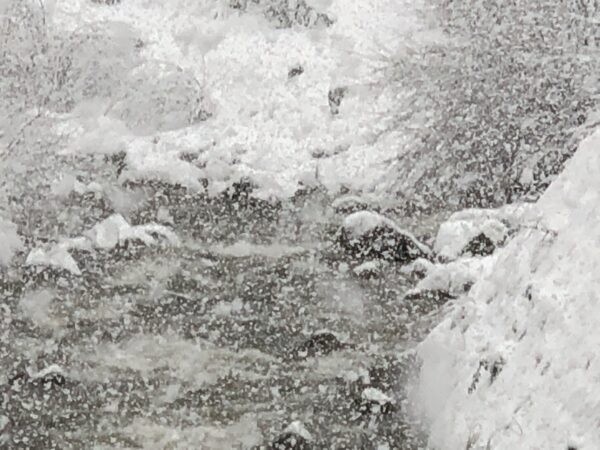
(509, 84)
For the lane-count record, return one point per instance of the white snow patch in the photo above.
(375, 395)
(57, 256)
(10, 241)
(53, 368)
(536, 309)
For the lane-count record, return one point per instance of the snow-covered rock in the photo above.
(10, 241)
(516, 364)
(368, 269)
(454, 277)
(348, 204)
(370, 235)
(455, 234)
(115, 230)
(54, 256)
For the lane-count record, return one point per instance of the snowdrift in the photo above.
(516, 364)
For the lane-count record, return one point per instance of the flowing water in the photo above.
(207, 345)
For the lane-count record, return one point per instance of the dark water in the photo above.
(207, 345)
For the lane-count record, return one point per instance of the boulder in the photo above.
(335, 97)
(366, 235)
(319, 344)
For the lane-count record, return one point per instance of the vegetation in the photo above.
(494, 106)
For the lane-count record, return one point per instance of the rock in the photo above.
(480, 245)
(436, 296)
(286, 13)
(335, 96)
(319, 344)
(294, 437)
(107, 2)
(295, 71)
(367, 235)
(422, 302)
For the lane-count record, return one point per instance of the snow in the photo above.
(362, 222)
(53, 368)
(241, 64)
(105, 235)
(10, 242)
(536, 309)
(57, 256)
(454, 276)
(116, 230)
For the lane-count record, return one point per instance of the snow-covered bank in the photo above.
(516, 364)
(275, 129)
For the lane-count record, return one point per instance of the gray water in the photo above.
(201, 346)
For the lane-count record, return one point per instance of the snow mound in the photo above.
(10, 242)
(516, 364)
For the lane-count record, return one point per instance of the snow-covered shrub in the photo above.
(506, 84)
(48, 69)
(160, 96)
(287, 13)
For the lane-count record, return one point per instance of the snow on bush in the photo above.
(516, 364)
(160, 96)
